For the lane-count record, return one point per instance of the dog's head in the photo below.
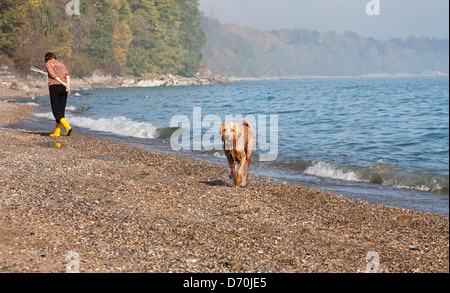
(228, 133)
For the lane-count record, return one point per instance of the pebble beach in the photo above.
(124, 209)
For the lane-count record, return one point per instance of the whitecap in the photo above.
(115, 125)
(323, 169)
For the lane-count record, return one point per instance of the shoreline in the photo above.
(400, 197)
(129, 210)
(301, 77)
(15, 84)
(403, 196)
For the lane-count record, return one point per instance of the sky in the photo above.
(396, 18)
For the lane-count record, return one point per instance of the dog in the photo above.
(238, 142)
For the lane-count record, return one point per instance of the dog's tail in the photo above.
(246, 123)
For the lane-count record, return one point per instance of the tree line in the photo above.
(244, 52)
(136, 37)
(152, 37)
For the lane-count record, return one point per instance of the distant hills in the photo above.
(232, 50)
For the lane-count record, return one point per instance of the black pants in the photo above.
(58, 99)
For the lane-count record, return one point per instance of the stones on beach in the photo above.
(101, 81)
(123, 209)
(35, 84)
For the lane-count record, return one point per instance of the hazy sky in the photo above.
(397, 18)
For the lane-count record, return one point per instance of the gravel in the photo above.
(122, 209)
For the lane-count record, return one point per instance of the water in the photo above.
(384, 140)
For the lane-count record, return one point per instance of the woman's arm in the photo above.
(67, 83)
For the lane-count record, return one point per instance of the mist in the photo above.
(397, 18)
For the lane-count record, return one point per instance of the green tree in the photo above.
(103, 18)
(146, 31)
(14, 17)
(192, 37)
(141, 37)
(121, 43)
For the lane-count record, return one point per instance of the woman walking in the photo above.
(59, 87)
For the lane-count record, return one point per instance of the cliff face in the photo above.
(16, 84)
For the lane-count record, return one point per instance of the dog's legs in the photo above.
(231, 163)
(247, 165)
(233, 171)
(248, 154)
(238, 180)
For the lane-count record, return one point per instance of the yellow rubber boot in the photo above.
(66, 126)
(57, 130)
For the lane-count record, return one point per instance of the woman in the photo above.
(59, 87)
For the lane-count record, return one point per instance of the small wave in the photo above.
(32, 104)
(77, 110)
(396, 176)
(323, 169)
(381, 173)
(44, 115)
(116, 125)
(79, 95)
(71, 108)
(165, 132)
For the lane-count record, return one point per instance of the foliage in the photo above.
(139, 37)
(234, 50)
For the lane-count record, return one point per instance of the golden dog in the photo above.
(238, 146)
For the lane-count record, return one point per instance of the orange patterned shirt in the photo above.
(56, 69)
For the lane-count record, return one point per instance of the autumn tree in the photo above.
(139, 37)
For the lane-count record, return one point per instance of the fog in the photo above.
(396, 19)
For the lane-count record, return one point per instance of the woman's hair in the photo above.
(50, 56)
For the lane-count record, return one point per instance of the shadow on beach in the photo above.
(216, 183)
